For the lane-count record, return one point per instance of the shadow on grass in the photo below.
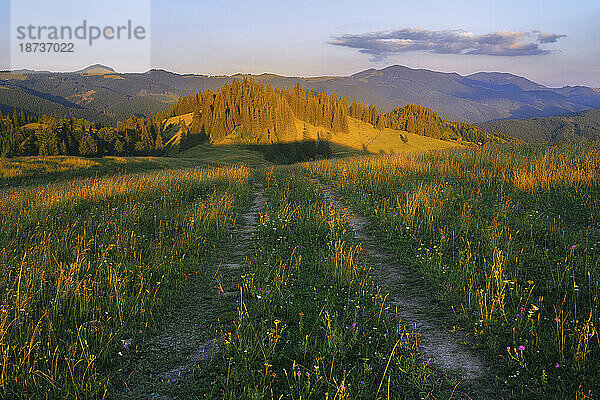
(39, 170)
(25, 171)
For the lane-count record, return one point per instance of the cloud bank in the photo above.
(505, 43)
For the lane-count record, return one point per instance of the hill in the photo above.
(478, 97)
(361, 138)
(97, 69)
(288, 126)
(249, 112)
(567, 128)
(283, 125)
(369, 139)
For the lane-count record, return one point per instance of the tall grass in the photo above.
(511, 236)
(41, 169)
(84, 263)
(311, 321)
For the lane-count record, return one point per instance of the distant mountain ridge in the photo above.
(584, 125)
(99, 92)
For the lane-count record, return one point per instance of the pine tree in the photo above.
(158, 144)
(88, 146)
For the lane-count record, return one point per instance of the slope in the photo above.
(361, 138)
(369, 139)
(567, 128)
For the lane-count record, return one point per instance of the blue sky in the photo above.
(294, 37)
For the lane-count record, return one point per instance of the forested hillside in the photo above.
(426, 122)
(258, 113)
(584, 125)
(243, 111)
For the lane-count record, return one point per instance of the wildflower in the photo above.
(521, 347)
(299, 373)
(508, 349)
(557, 365)
(354, 324)
(316, 367)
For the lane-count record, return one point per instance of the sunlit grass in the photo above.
(511, 236)
(87, 262)
(41, 169)
(311, 321)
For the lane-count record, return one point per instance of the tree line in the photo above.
(266, 115)
(426, 122)
(258, 113)
(48, 135)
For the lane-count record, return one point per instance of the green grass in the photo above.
(364, 137)
(508, 237)
(511, 238)
(90, 262)
(41, 169)
(311, 322)
(224, 155)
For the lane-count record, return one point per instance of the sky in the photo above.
(555, 43)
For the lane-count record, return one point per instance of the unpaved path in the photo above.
(190, 337)
(415, 307)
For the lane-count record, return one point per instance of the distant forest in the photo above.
(22, 135)
(426, 122)
(575, 127)
(257, 113)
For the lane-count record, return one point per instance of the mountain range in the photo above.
(100, 93)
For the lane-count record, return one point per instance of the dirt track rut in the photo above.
(414, 305)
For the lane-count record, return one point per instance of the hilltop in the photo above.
(286, 122)
(96, 69)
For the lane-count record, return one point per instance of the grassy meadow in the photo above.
(87, 263)
(312, 322)
(42, 169)
(508, 237)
